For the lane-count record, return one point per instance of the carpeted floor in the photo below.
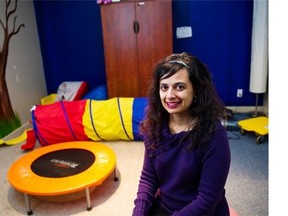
(246, 188)
(247, 184)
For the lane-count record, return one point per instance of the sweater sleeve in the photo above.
(147, 188)
(215, 167)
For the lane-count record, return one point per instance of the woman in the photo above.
(187, 154)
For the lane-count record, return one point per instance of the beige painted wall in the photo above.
(24, 73)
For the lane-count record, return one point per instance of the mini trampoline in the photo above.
(62, 169)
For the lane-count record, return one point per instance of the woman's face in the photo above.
(176, 92)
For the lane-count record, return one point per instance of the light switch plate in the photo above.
(184, 32)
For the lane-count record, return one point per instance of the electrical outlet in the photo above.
(239, 93)
(17, 78)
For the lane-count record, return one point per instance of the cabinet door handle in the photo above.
(136, 27)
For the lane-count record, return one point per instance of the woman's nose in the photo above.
(170, 93)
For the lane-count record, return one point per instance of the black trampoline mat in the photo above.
(63, 163)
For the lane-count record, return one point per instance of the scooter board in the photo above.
(259, 125)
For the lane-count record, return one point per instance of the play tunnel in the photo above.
(112, 119)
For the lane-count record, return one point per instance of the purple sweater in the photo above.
(191, 182)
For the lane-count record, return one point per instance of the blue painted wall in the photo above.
(72, 44)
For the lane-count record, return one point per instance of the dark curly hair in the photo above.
(206, 108)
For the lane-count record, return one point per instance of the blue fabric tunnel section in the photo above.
(138, 114)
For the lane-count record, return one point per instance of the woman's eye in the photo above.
(163, 87)
(180, 87)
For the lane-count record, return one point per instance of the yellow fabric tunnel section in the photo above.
(109, 119)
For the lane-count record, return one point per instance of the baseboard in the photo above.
(247, 109)
(18, 131)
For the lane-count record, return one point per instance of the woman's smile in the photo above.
(172, 105)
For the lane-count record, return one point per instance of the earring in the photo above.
(195, 99)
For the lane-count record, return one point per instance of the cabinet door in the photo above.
(120, 49)
(154, 37)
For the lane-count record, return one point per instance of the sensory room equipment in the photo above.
(62, 169)
(259, 125)
(83, 120)
(67, 91)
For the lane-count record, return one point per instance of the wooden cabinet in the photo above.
(136, 35)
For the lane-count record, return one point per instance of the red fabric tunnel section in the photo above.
(59, 122)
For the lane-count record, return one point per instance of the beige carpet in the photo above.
(110, 198)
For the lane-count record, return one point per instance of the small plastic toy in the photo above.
(104, 2)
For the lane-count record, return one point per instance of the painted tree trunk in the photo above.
(6, 110)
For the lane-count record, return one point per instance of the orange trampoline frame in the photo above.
(23, 179)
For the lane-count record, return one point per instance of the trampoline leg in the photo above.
(115, 174)
(27, 201)
(89, 207)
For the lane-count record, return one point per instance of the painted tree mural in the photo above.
(6, 110)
